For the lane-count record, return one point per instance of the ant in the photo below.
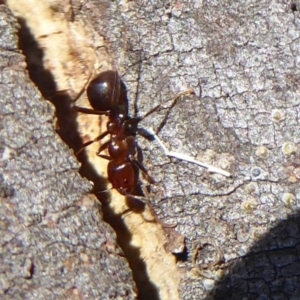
(107, 96)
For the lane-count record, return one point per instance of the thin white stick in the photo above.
(187, 157)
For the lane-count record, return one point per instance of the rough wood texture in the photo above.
(241, 58)
(54, 244)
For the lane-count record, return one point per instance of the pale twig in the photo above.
(187, 158)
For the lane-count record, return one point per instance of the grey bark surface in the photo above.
(242, 59)
(54, 244)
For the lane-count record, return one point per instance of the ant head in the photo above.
(106, 92)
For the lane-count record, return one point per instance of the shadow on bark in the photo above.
(269, 271)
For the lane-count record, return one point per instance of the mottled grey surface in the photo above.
(242, 60)
(53, 242)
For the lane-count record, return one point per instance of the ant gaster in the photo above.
(107, 96)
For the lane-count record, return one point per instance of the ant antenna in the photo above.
(82, 90)
(187, 158)
(104, 191)
(174, 101)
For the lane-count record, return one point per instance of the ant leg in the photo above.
(83, 89)
(143, 169)
(132, 147)
(187, 92)
(146, 193)
(90, 111)
(187, 157)
(174, 101)
(134, 121)
(64, 92)
(154, 109)
(144, 200)
(98, 138)
(104, 156)
(102, 147)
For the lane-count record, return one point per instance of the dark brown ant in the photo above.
(107, 96)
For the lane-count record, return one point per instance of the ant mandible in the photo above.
(107, 96)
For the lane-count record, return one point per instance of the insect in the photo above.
(107, 96)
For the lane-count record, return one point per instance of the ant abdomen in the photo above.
(105, 91)
(122, 176)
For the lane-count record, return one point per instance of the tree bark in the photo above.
(242, 233)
